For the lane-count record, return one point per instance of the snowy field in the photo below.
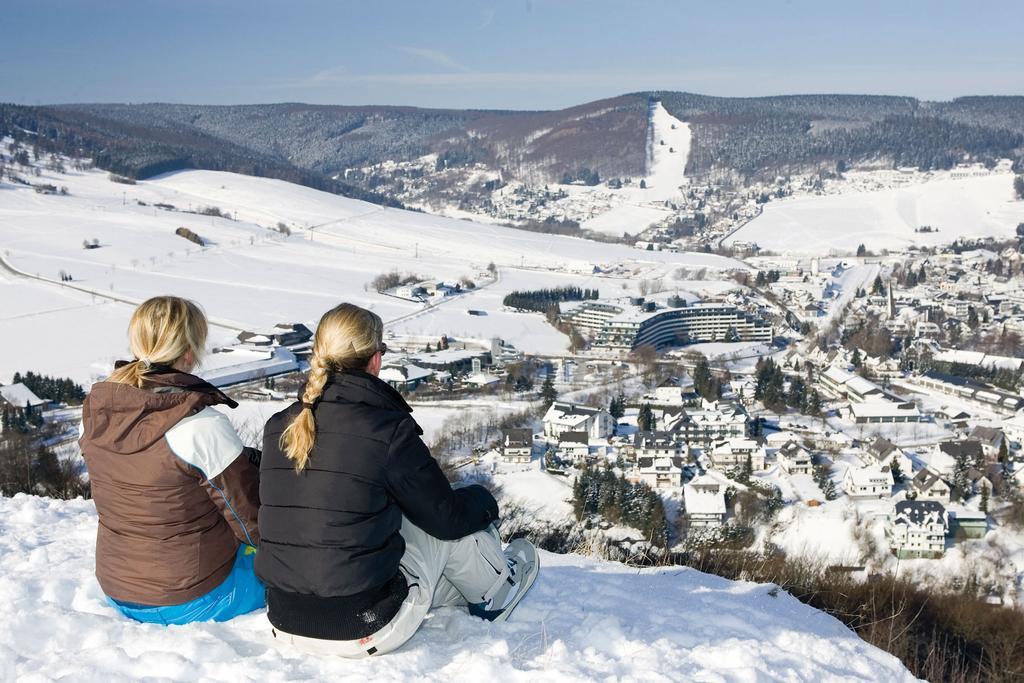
(642, 207)
(252, 276)
(852, 533)
(738, 357)
(57, 331)
(886, 219)
(584, 620)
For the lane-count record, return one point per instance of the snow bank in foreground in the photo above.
(584, 620)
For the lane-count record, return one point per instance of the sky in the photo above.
(516, 54)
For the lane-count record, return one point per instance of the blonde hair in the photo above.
(346, 338)
(161, 331)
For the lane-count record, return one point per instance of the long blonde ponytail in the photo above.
(161, 331)
(346, 338)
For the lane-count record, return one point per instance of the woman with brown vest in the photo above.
(362, 533)
(175, 490)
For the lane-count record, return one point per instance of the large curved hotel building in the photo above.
(623, 327)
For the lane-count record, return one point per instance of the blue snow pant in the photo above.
(241, 592)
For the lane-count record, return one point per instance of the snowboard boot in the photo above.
(523, 567)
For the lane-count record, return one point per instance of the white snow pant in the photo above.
(439, 573)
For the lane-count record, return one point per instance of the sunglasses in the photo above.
(382, 349)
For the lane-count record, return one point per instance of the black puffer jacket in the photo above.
(330, 535)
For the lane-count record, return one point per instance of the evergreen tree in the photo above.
(704, 382)
(813, 403)
(617, 407)
(797, 393)
(960, 483)
(645, 419)
(768, 386)
(746, 469)
(983, 504)
(877, 287)
(896, 471)
(548, 392)
(824, 482)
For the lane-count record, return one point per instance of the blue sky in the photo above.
(520, 54)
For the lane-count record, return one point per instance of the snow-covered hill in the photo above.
(669, 152)
(252, 276)
(584, 620)
(886, 219)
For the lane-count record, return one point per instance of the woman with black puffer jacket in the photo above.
(361, 532)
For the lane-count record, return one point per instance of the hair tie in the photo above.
(310, 406)
(147, 364)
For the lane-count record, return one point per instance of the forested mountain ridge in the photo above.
(325, 146)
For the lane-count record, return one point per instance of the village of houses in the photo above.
(916, 441)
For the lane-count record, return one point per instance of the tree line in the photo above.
(57, 389)
(543, 300)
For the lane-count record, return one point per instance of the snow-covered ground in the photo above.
(584, 620)
(642, 207)
(738, 357)
(546, 497)
(886, 219)
(851, 533)
(252, 276)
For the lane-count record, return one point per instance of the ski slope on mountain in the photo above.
(670, 150)
(584, 620)
(251, 276)
(886, 219)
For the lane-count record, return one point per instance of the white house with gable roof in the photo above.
(569, 417)
(704, 500)
(873, 481)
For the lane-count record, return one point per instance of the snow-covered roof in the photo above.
(1015, 422)
(404, 372)
(445, 356)
(281, 361)
(570, 412)
(883, 408)
(736, 444)
(859, 385)
(872, 475)
(920, 512)
(837, 374)
(662, 465)
(481, 379)
(19, 395)
(700, 500)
